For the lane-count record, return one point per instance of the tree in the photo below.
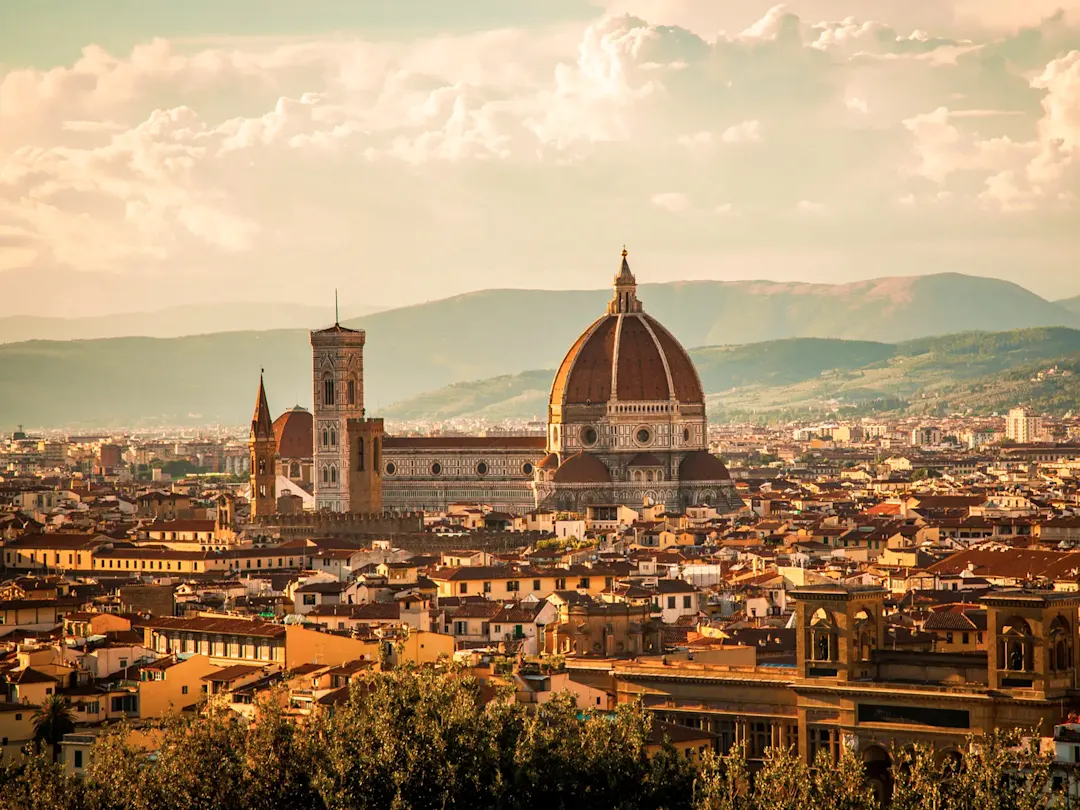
(200, 763)
(279, 760)
(1003, 770)
(723, 783)
(783, 783)
(37, 782)
(52, 720)
(923, 780)
(841, 785)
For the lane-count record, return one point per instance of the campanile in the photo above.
(338, 394)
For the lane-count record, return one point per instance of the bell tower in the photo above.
(338, 393)
(263, 449)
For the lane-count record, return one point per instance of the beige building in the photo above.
(173, 684)
(1022, 426)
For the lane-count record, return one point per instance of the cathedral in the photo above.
(626, 424)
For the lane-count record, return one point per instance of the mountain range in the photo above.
(206, 378)
(976, 371)
(174, 321)
(1070, 304)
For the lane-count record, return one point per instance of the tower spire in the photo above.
(262, 426)
(337, 316)
(624, 300)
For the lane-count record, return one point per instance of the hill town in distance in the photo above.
(776, 504)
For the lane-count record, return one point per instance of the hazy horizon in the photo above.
(272, 152)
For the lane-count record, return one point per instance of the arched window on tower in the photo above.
(375, 454)
(328, 391)
(352, 391)
(262, 466)
(360, 455)
(325, 437)
(325, 475)
(333, 474)
(333, 437)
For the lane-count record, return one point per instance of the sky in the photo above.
(155, 152)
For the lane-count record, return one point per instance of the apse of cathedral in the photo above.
(626, 425)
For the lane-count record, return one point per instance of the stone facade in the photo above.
(847, 688)
(433, 472)
(338, 394)
(365, 443)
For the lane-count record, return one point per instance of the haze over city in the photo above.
(274, 151)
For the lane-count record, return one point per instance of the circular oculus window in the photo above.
(643, 435)
(482, 468)
(686, 434)
(436, 468)
(390, 468)
(589, 436)
(527, 468)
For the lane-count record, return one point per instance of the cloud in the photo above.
(741, 133)
(671, 201)
(346, 155)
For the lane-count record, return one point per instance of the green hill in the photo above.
(983, 372)
(795, 330)
(1070, 304)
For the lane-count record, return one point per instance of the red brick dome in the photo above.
(701, 465)
(294, 432)
(631, 356)
(582, 468)
(626, 355)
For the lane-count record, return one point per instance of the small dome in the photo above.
(645, 460)
(550, 462)
(701, 465)
(294, 432)
(582, 468)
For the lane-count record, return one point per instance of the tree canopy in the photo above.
(430, 739)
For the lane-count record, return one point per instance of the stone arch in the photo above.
(877, 766)
(823, 636)
(1016, 645)
(1061, 645)
(865, 633)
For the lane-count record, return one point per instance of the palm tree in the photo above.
(52, 720)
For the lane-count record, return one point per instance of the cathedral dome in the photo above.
(626, 356)
(294, 433)
(701, 465)
(582, 468)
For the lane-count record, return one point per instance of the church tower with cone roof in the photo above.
(263, 448)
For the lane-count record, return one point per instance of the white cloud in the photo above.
(672, 201)
(338, 152)
(741, 133)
